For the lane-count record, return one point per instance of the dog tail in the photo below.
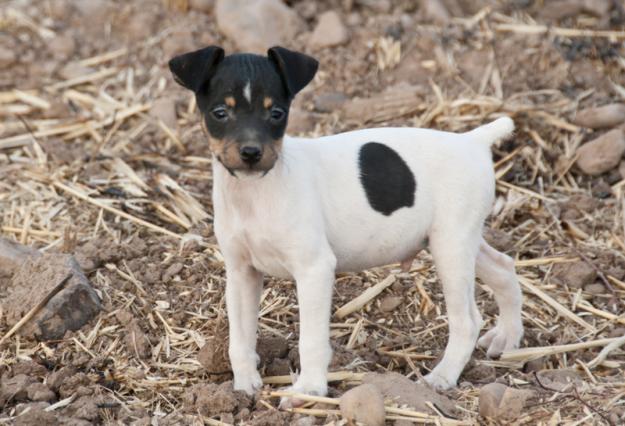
(490, 133)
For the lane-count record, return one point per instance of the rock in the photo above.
(599, 8)
(329, 101)
(70, 309)
(136, 341)
(501, 402)
(602, 154)
(40, 392)
(214, 356)
(560, 9)
(400, 99)
(56, 379)
(435, 11)
(62, 47)
(404, 391)
(560, 380)
(36, 416)
(574, 274)
(270, 348)
(15, 388)
(204, 6)
(602, 117)
(300, 121)
(29, 368)
(7, 57)
(364, 404)
(210, 399)
(164, 109)
(390, 303)
(13, 254)
(256, 25)
(329, 31)
(595, 288)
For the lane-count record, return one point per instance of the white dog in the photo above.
(307, 208)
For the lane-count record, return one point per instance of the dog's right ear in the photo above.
(194, 69)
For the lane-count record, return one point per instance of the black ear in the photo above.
(192, 70)
(296, 69)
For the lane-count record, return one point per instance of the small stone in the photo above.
(164, 109)
(595, 288)
(574, 274)
(40, 392)
(56, 379)
(560, 9)
(213, 356)
(435, 11)
(7, 57)
(499, 401)
(173, 270)
(329, 101)
(15, 388)
(560, 380)
(390, 303)
(70, 309)
(62, 47)
(364, 404)
(270, 348)
(602, 154)
(204, 6)
(256, 25)
(329, 31)
(13, 254)
(602, 117)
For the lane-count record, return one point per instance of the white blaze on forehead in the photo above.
(247, 92)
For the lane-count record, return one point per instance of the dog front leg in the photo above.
(314, 293)
(243, 289)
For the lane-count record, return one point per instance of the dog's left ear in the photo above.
(194, 69)
(296, 69)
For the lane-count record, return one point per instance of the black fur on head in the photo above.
(244, 100)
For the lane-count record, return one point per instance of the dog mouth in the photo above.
(246, 171)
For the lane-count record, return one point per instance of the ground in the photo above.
(102, 156)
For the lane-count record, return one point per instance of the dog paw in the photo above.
(439, 381)
(498, 339)
(316, 388)
(248, 383)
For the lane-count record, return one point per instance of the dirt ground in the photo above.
(102, 157)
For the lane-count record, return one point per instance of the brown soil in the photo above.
(156, 353)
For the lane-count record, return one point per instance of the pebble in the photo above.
(390, 303)
(330, 31)
(498, 401)
(574, 274)
(7, 57)
(601, 154)
(363, 404)
(602, 117)
(256, 25)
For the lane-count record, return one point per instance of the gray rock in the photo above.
(256, 25)
(329, 31)
(602, 117)
(70, 309)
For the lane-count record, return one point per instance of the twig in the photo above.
(364, 298)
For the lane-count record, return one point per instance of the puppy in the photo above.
(307, 208)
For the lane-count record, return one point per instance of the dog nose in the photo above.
(250, 154)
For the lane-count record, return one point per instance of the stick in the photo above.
(364, 298)
(564, 32)
(554, 304)
(36, 308)
(620, 341)
(528, 354)
(115, 211)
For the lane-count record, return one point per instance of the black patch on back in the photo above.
(386, 178)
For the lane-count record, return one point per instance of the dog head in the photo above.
(244, 100)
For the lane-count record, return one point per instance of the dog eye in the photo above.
(277, 114)
(220, 113)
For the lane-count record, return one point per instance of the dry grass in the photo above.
(108, 169)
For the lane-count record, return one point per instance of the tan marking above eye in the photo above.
(229, 100)
(267, 102)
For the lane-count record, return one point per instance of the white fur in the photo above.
(247, 93)
(309, 218)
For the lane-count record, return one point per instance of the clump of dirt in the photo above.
(211, 399)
